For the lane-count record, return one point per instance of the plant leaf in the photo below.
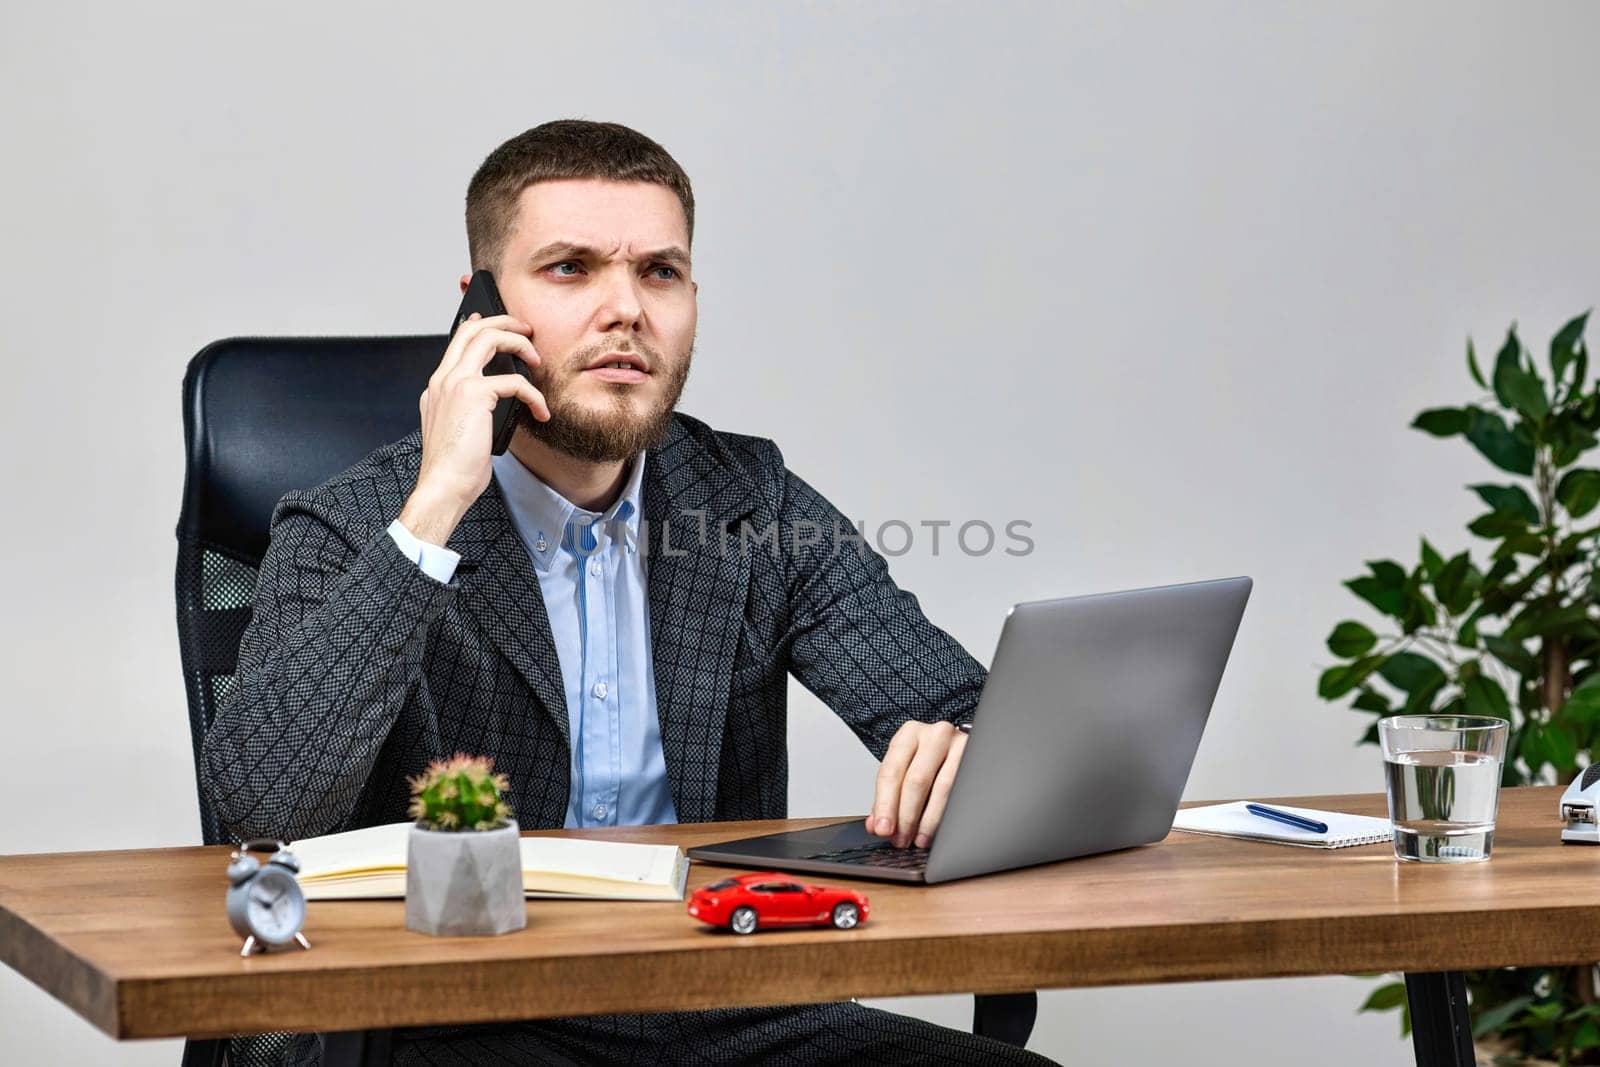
(1530, 746)
(1369, 700)
(1494, 1018)
(1582, 705)
(1419, 608)
(1388, 572)
(1421, 701)
(1387, 600)
(1335, 682)
(1485, 697)
(1490, 436)
(1512, 499)
(1579, 491)
(1506, 362)
(1443, 422)
(1410, 671)
(1451, 584)
(1351, 639)
(1568, 439)
(1560, 746)
(1386, 998)
(1515, 386)
(1511, 653)
(1492, 524)
(1432, 562)
(1564, 345)
(1538, 619)
(1472, 366)
(1384, 590)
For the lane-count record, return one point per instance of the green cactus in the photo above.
(460, 793)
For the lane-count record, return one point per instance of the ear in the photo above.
(696, 287)
(466, 279)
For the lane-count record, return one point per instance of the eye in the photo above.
(663, 266)
(563, 263)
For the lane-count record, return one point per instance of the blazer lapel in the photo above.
(500, 590)
(697, 594)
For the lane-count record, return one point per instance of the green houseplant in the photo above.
(1514, 635)
(463, 856)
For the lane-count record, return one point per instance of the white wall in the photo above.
(1167, 280)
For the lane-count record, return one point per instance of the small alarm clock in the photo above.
(266, 905)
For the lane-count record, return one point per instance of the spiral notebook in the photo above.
(1232, 820)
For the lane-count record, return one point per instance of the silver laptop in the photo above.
(1081, 742)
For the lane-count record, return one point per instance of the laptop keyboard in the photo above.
(883, 854)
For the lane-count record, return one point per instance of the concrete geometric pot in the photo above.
(464, 883)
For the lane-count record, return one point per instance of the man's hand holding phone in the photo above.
(457, 412)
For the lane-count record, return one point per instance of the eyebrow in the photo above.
(671, 254)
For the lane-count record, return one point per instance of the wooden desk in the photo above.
(137, 943)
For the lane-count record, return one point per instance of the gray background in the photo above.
(1166, 280)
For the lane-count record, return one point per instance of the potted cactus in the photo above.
(463, 860)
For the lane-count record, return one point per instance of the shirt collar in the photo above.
(541, 514)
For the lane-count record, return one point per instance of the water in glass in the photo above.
(1443, 803)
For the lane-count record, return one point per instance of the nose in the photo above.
(621, 304)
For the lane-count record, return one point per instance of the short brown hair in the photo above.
(563, 149)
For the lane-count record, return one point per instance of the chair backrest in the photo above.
(262, 416)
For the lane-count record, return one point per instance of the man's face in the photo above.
(600, 270)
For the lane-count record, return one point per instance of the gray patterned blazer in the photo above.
(357, 668)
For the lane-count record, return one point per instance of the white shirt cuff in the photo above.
(436, 562)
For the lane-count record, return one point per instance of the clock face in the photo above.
(275, 907)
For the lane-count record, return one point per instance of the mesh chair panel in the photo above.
(214, 592)
(258, 1050)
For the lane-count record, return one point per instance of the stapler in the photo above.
(1578, 808)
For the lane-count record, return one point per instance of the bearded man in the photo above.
(436, 597)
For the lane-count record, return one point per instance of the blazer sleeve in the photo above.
(858, 641)
(332, 652)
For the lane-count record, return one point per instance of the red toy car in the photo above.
(766, 899)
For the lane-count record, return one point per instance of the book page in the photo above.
(609, 861)
(374, 848)
(371, 862)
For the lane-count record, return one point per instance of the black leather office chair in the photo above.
(262, 416)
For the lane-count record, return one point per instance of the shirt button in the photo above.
(599, 811)
(594, 567)
(600, 690)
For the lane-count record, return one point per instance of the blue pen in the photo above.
(1287, 817)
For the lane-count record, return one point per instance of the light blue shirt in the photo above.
(592, 576)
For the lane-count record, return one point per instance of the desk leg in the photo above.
(1441, 1032)
(355, 1048)
(1005, 1017)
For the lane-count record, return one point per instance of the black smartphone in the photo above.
(483, 297)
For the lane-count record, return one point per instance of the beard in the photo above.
(615, 431)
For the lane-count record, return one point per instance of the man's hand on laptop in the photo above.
(914, 782)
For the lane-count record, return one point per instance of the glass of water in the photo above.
(1443, 779)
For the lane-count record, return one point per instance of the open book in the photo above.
(372, 863)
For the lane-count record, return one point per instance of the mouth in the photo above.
(619, 367)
